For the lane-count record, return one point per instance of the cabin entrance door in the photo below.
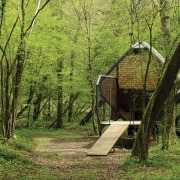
(138, 103)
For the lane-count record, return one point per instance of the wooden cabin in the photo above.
(123, 93)
(120, 91)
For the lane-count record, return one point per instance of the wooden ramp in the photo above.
(106, 142)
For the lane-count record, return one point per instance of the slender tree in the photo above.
(60, 96)
(169, 109)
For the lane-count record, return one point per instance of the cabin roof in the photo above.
(128, 68)
(143, 44)
(138, 45)
(125, 76)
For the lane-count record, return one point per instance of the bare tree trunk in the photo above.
(28, 117)
(3, 4)
(70, 110)
(144, 148)
(59, 123)
(165, 24)
(37, 107)
(28, 102)
(49, 106)
(155, 105)
(169, 118)
(132, 15)
(59, 110)
(71, 97)
(5, 87)
(90, 63)
(91, 82)
(20, 58)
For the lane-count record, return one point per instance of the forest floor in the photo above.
(47, 154)
(68, 159)
(73, 161)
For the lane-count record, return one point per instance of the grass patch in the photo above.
(8, 154)
(44, 132)
(85, 129)
(41, 143)
(53, 155)
(160, 165)
(11, 171)
(23, 143)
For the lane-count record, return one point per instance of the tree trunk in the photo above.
(28, 102)
(59, 110)
(168, 119)
(70, 109)
(155, 105)
(59, 123)
(49, 106)
(37, 107)
(71, 97)
(3, 4)
(20, 58)
(132, 19)
(169, 105)
(28, 117)
(88, 116)
(165, 24)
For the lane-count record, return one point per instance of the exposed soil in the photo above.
(73, 158)
(68, 147)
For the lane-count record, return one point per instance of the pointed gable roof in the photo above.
(139, 45)
(143, 44)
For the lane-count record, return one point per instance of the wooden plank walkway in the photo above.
(111, 122)
(106, 142)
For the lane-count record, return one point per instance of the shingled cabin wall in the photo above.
(109, 91)
(131, 73)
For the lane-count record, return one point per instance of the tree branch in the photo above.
(31, 24)
(3, 4)
(39, 3)
(7, 42)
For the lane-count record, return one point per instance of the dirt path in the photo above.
(71, 157)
